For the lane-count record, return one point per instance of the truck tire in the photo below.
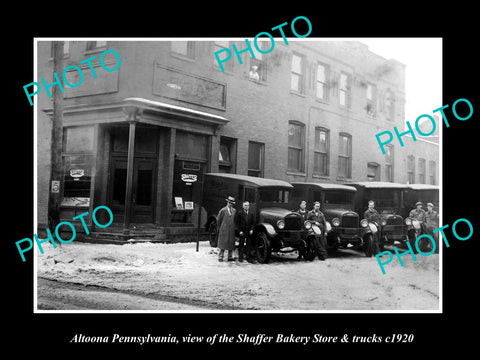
(368, 245)
(263, 248)
(310, 252)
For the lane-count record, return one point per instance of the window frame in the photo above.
(190, 55)
(261, 154)
(325, 154)
(347, 90)
(324, 83)
(301, 167)
(389, 164)
(301, 75)
(348, 156)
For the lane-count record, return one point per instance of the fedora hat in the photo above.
(230, 200)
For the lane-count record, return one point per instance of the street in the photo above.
(163, 277)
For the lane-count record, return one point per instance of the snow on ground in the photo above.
(345, 281)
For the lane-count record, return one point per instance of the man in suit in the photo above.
(226, 229)
(244, 221)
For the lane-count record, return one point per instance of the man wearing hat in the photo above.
(431, 222)
(418, 213)
(226, 229)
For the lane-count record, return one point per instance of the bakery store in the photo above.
(143, 159)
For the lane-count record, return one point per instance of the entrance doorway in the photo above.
(144, 175)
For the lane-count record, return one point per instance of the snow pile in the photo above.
(346, 281)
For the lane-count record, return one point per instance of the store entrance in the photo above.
(144, 176)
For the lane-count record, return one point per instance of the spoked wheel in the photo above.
(213, 235)
(310, 251)
(263, 248)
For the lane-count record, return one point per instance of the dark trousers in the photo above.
(242, 241)
(322, 247)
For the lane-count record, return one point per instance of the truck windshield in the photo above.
(386, 200)
(274, 195)
(339, 198)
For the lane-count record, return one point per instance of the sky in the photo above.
(423, 71)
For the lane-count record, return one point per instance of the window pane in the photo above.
(295, 84)
(254, 156)
(342, 167)
(296, 64)
(320, 90)
(224, 153)
(180, 47)
(343, 98)
(320, 163)
(369, 92)
(343, 81)
(295, 135)
(78, 139)
(344, 149)
(191, 145)
(321, 73)
(320, 141)
(294, 156)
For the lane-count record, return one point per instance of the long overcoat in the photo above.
(226, 229)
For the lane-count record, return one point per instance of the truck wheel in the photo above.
(263, 248)
(213, 235)
(310, 251)
(424, 245)
(368, 245)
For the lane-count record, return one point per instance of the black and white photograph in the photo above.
(181, 145)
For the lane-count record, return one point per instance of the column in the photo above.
(129, 185)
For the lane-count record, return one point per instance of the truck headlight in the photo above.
(281, 224)
(307, 224)
(408, 221)
(364, 223)
(336, 222)
(383, 222)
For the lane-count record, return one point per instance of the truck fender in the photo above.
(268, 228)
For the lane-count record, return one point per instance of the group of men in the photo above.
(229, 222)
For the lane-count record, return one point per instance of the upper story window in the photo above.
(298, 73)
(296, 146)
(411, 169)
(432, 172)
(92, 45)
(66, 49)
(421, 170)
(217, 46)
(371, 99)
(345, 90)
(258, 66)
(184, 48)
(389, 163)
(321, 151)
(322, 90)
(345, 156)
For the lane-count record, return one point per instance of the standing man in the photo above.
(371, 214)
(226, 229)
(418, 213)
(244, 221)
(317, 215)
(431, 223)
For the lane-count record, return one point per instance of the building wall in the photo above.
(257, 110)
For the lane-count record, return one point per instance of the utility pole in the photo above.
(56, 161)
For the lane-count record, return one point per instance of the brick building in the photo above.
(139, 137)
